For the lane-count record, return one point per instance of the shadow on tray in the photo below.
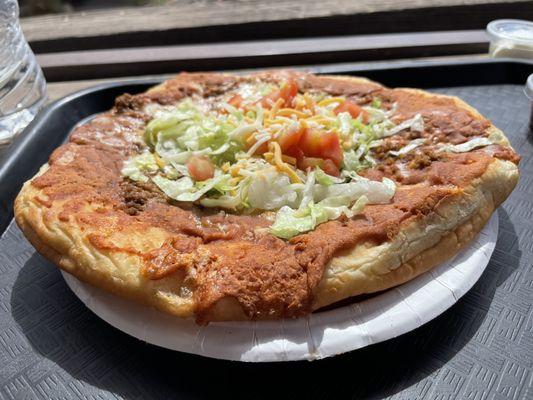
(60, 328)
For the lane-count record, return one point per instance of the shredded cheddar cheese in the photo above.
(327, 102)
(225, 167)
(275, 108)
(309, 103)
(234, 171)
(282, 166)
(291, 111)
(289, 159)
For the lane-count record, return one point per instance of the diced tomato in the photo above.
(323, 145)
(200, 168)
(330, 148)
(294, 151)
(326, 165)
(352, 108)
(310, 142)
(287, 92)
(330, 168)
(310, 162)
(288, 139)
(269, 100)
(235, 100)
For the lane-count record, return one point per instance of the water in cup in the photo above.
(22, 85)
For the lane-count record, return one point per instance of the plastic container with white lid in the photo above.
(529, 93)
(511, 38)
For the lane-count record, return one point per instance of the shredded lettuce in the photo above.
(290, 222)
(360, 204)
(413, 144)
(224, 201)
(245, 181)
(354, 176)
(369, 136)
(187, 130)
(355, 160)
(466, 146)
(376, 192)
(174, 188)
(415, 124)
(336, 200)
(345, 124)
(136, 167)
(184, 188)
(270, 190)
(260, 139)
(325, 179)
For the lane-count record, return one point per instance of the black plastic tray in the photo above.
(51, 346)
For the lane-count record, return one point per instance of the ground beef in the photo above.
(137, 194)
(128, 102)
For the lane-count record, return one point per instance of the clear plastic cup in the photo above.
(511, 38)
(22, 84)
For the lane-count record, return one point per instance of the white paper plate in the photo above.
(319, 335)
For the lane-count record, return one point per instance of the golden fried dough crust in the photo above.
(80, 213)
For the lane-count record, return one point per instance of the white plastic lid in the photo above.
(529, 87)
(514, 30)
